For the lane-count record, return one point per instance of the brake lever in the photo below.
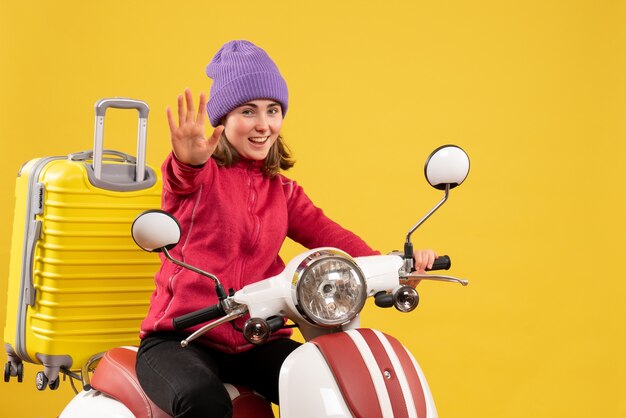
(236, 313)
(434, 277)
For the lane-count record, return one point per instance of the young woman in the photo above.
(235, 210)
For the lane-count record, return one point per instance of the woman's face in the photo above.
(254, 127)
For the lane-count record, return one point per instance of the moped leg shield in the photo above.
(358, 373)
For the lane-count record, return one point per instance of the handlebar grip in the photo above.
(442, 262)
(275, 323)
(383, 300)
(197, 317)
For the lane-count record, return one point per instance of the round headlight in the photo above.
(330, 288)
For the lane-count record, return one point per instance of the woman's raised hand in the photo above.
(189, 141)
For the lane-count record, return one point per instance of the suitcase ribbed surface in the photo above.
(92, 283)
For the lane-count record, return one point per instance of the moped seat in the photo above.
(116, 377)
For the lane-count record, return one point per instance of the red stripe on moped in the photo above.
(390, 376)
(412, 377)
(351, 374)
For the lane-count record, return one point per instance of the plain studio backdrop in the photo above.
(533, 90)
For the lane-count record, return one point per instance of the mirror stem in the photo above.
(437, 206)
(219, 289)
(408, 246)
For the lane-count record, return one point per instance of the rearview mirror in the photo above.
(154, 230)
(447, 165)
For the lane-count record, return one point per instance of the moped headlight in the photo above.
(330, 288)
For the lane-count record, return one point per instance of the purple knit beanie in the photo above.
(241, 71)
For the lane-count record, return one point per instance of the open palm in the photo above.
(189, 141)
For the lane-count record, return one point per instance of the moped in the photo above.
(342, 370)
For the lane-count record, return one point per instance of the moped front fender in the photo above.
(361, 372)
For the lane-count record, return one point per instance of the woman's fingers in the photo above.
(170, 120)
(424, 259)
(186, 110)
(428, 259)
(181, 110)
(190, 124)
(216, 136)
(201, 109)
(190, 108)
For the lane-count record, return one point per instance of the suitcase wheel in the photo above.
(54, 385)
(41, 381)
(19, 371)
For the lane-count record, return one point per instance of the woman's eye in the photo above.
(274, 111)
(247, 112)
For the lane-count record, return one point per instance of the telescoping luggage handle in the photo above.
(120, 103)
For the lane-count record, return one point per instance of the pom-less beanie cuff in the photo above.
(261, 85)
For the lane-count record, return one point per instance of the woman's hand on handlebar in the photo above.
(423, 260)
(189, 141)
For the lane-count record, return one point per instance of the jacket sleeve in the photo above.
(309, 226)
(182, 179)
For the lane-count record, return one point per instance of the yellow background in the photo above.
(534, 90)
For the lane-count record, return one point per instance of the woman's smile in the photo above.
(259, 140)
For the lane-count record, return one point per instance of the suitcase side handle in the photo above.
(120, 103)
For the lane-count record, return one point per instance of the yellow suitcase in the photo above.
(78, 285)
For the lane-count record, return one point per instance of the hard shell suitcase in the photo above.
(78, 285)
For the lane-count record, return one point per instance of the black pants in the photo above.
(187, 382)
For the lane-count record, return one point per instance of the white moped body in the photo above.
(97, 405)
(354, 372)
(357, 381)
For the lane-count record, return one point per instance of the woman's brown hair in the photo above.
(278, 158)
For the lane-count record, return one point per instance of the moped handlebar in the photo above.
(442, 262)
(198, 317)
(216, 311)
